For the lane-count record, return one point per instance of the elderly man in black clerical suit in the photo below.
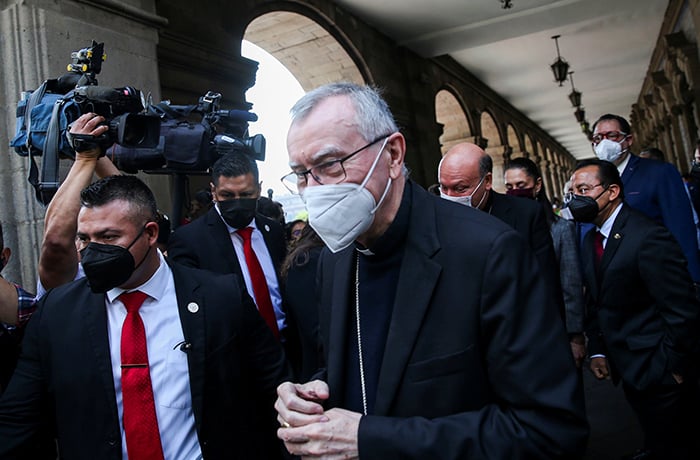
(437, 332)
(217, 241)
(643, 312)
(142, 358)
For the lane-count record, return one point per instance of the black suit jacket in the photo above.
(474, 364)
(65, 372)
(205, 243)
(527, 217)
(644, 313)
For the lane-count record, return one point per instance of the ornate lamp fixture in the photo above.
(505, 4)
(560, 67)
(580, 114)
(574, 96)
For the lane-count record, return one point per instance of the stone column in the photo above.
(38, 38)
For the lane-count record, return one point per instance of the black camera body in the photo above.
(191, 139)
(120, 107)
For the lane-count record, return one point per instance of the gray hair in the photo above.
(372, 114)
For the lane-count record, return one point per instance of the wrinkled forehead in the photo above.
(329, 128)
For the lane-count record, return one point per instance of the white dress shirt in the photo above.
(263, 255)
(168, 364)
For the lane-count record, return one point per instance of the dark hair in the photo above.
(485, 165)
(127, 188)
(654, 153)
(234, 165)
(290, 225)
(271, 209)
(203, 197)
(299, 252)
(531, 169)
(607, 173)
(624, 125)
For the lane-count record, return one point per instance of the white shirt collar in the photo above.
(607, 225)
(155, 286)
(621, 167)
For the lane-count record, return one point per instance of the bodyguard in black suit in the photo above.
(211, 242)
(643, 312)
(212, 389)
(437, 332)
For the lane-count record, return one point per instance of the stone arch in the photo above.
(453, 119)
(513, 140)
(529, 151)
(306, 45)
(491, 141)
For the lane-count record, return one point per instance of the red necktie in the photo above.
(598, 247)
(140, 421)
(257, 278)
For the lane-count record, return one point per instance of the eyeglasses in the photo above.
(615, 136)
(582, 190)
(330, 172)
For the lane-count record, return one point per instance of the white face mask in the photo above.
(608, 150)
(466, 200)
(339, 213)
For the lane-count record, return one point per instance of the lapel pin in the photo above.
(192, 307)
(617, 236)
(267, 228)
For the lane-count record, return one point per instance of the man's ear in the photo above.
(151, 230)
(614, 191)
(488, 181)
(396, 146)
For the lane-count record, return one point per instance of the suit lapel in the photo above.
(630, 169)
(614, 239)
(223, 240)
(417, 280)
(96, 324)
(190, 302)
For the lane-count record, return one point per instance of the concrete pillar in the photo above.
(38, 37)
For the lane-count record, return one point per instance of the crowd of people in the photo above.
(391, 323)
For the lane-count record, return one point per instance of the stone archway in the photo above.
(493, 145)
(309, 51)
(515, 148)
(449, 114)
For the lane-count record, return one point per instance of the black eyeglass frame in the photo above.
(302, 177)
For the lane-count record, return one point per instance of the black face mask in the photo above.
(239, 212)
(584, 208)
(107, 266)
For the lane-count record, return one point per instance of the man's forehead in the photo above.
(607, 125)
(584, 175)
(115, 214)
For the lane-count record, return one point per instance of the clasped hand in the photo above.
(310, 431)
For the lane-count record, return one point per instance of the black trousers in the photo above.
(669, 417)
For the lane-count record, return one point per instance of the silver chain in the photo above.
(359, 335)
